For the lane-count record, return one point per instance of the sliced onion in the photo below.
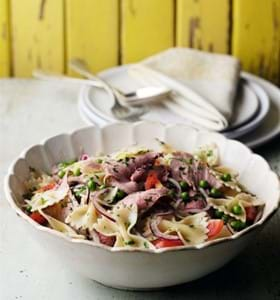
(202, 191)
(177, 203)
(93, 235)
(230, 228)
(87, 197)
(176, 184)
(197, 210)
(101, 210)
(186, 211)
(84, 157)
(76, 179)
(258, 216)
(179, 216)
(163, 213)
(156, 232)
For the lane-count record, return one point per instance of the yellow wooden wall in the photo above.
(198, 28)
(47, 33)
(147, 27)
(37, 31)
(93, 32)
(5, 62)
(256, 36)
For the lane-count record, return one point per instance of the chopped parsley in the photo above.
(43, 201)
(209, 153)
(29, 208)
(79, 191)
(129, 243)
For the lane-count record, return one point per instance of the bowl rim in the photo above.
(242, 233)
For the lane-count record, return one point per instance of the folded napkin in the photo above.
(204, 84)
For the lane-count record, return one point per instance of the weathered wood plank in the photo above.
(93, 32)
(203, 24)
(4, 39)
(37, 36)
(256, 36)
(147, 28)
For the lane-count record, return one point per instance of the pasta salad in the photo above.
(142, 198)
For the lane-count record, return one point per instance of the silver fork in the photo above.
(120, 111)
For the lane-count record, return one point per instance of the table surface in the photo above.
(32, 110)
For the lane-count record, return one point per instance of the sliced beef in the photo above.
(106, 240)
(125, 173)
(193, 173)
(127, 186)
(145, 199)
(193, 206)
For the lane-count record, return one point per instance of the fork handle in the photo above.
(39, 74)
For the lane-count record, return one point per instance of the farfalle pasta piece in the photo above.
(249, 200)
(192, 229)
(61, 227)
(208, 154)
(226, 205)
(232, 183)
(83, 217)
(125, 217)
(47, 198)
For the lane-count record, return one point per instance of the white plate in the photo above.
(248, 103)
(256, 120)
(100, 114)
(270, 127)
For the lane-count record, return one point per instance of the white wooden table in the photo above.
(32, 110)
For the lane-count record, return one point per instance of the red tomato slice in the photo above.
(214, 227)
(47, 187)
(152, 180)
(251, 213)
(37, 217)
(162, 243)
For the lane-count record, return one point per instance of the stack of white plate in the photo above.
(256, 118)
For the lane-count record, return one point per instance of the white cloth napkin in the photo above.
(204, 84)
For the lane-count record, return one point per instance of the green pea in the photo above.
(99, 160)
(184, 186)
(62, 165)
(91, 185)
(65, 164)
(185, 196)
(226, 177)
(203, 184)
(225, 218)
(237, 225)
(219, 214)
(61, 173)
(77, 172)
(237, 209)
(215, 192)
(71, 161)
(79, 191)
(120, 195)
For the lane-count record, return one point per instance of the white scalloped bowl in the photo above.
(142, 269)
